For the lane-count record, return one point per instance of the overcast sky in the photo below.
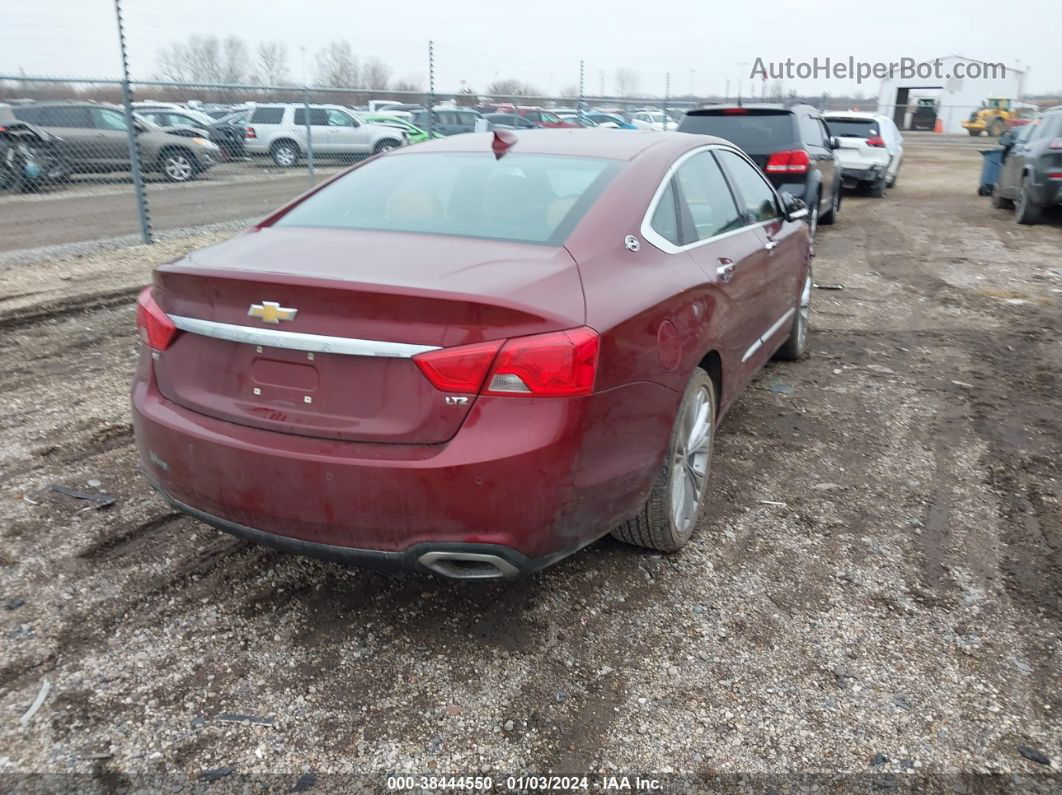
(700, 42)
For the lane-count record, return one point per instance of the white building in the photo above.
(960, 87)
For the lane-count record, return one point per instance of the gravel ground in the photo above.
(874, 592)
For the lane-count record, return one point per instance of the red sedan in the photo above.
(474, 356)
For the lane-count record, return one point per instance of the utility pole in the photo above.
(135, 168)
(431, 86)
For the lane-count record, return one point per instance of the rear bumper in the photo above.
(528, 480)
(455, 560)
(871, 172)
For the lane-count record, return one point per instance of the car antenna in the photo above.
(503, 139)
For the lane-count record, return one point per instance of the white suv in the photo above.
(280, 131)
(871, 149)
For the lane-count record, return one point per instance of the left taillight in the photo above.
(555, 364)
(155, 327)
(876, 140)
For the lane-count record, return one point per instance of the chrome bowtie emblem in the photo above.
(272, 312)
(632, 243)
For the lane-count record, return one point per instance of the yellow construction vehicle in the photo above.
(991, 117)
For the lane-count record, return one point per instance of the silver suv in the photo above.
(94, 138)
(280, 132)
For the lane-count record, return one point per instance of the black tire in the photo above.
(1026, 210)
(974, 133)
(655, 527)
(891, 181)
(796, 345)
(997, 199)
(178, 165)
(285, 154)
(386, 145)
(877, 188)
(830, 216)
(984, 190)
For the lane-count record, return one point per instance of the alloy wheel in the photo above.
(178, 167)
(284, 156)
(691, 461)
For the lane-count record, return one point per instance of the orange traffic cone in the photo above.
(938, 127)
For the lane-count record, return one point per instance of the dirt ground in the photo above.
(898, 614)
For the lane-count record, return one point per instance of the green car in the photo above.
(414, 133)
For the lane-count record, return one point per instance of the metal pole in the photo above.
(431, 87)
(667, 95)
(130, 129)
(309, 133)
(582, 77)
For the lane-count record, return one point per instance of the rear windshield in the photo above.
(853, 128)
(520, 198)
(751, 131)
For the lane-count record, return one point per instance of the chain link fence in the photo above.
(210, 153)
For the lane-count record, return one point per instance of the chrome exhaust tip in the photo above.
(468, 565)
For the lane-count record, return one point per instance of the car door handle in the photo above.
(725, 271)
(771, 244)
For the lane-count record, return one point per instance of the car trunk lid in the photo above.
(337, 315)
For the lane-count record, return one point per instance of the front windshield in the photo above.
(521, 198)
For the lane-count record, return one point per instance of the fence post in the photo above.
(135, 168)
(579, 109)
(431, 87)
(667, 95)
(309, 133)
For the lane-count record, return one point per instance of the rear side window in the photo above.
(57, 116)
(757, 196)
(520, 198)
(708, 197)
(753, 132)
(318, 117)
(811, 131)
(853, 128)
(665, 219)
(267, 116)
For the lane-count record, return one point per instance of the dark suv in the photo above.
(94, 138)
(1031, 176)
(790, 143)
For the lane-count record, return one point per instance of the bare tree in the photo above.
(626, 82)
(409, 83)
(272, 63)
(198, 60)
(375, 74)
(512, 88)
(234, 60)
(337, 67)
(571, 92)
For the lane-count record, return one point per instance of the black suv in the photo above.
(790, 143)
(1031, 176)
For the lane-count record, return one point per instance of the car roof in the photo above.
(851, 114)
(580, 142)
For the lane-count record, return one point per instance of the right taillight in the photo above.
(791, 161)
(155, 327)
(251, 133)
(555, 364)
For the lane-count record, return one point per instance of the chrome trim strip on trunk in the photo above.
(767, 335)
(297, 341)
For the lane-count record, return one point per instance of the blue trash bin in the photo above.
(992, 162)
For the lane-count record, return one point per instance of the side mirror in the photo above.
(835, 142)
(794, 207)
(1007, 138)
